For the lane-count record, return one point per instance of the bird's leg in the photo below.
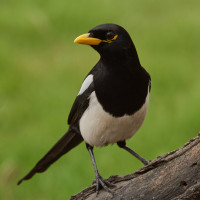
(122, 145)
(100, 182)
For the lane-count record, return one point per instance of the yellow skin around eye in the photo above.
(109, 41)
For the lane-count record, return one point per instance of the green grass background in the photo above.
(41, 71)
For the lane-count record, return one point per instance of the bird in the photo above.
(111, 104)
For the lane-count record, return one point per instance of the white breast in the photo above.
(99, 128)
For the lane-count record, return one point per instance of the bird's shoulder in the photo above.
(82, 100)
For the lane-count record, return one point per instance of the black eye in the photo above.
(110, 35)
(91, 34)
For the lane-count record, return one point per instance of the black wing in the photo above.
(149, 83)
(82, 101)
(80, 105)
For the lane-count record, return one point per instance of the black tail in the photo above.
(65, 144)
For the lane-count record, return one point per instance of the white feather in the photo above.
(99, 128)
(86, 84)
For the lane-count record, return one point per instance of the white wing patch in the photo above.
(86, 84)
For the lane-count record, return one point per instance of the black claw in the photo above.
(101, 183)
(146, 162)
(108, 183)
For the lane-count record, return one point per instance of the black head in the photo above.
(110, 40)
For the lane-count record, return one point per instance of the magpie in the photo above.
(111, 104)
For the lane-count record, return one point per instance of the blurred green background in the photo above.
(41, 71)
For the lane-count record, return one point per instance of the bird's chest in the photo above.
(100, 128)
(121, 94)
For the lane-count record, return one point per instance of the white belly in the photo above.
(99, 128)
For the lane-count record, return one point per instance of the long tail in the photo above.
(65, 144)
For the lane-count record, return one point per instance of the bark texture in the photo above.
(173, 176)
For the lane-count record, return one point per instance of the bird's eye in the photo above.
(110, 35)
(91, 34)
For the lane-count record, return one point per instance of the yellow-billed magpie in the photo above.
(112, 102)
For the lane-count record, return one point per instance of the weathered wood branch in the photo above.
(173, 176)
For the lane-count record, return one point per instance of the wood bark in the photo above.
(174, 176)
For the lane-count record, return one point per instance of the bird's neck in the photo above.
(123, 57)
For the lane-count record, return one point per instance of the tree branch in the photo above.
(173, 176)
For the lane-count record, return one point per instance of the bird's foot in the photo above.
(145, 162)
(102, 183)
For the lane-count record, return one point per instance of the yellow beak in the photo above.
(85, 39)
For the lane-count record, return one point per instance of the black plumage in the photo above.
(115, 90)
